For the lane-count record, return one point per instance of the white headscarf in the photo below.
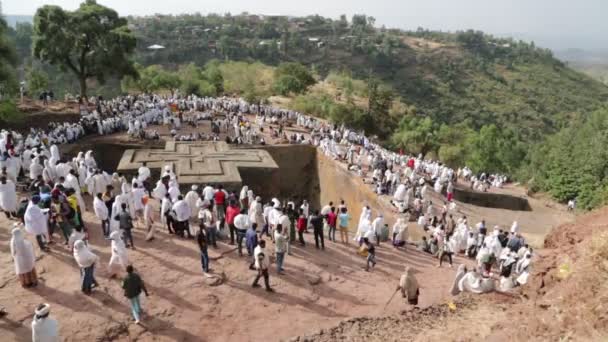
(22, 252)
(83, 255)
(409, 282)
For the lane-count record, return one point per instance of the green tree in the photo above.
(37, 81)
(454, 140)
(91, 42)
(22, 36)
(8, 61)
(416, 135)
(292, 78)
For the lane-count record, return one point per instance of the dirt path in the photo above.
(319, 289)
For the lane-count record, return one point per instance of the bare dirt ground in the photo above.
(565, 300)
(320, 288)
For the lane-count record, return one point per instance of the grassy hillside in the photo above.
(495, 105)
(452, 78)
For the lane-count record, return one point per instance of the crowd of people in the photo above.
(57, 187)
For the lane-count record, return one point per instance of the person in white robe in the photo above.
(377, 226)
(35, 169)
(115, 210)
(473, 282)
(256, 212)
(86, 260)
(165, 209)
(101, 211)
(208, 192)
(243, 198)
(119, 259)
(71, 181)
(522, 268)
(44, 328)
(23, 255)
(364, 230)
(182, 216)
(515, 228)
(8, 197)
(82, 176)
(55, 152)
(366, 215)
(400, 232)
(408, 285)
(48, 173)
(89, 160)
(399, 195)
(143, 173)
(148, 218)
(191, 198)
(160, 190)
(36, 220)
(174, 191)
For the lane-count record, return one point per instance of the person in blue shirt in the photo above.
(251, 242)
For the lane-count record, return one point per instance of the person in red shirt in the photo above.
(332, 218)
(301, 226)
(219, 201)
(231, 213)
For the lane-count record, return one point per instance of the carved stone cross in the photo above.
(202, 162)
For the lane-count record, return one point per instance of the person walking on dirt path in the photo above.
(231, 212)
(280, 247)
(126, 225)
(251, 242)
(408, 284)
(203, 245)
(133, 286)
(316, 221)
(262, 262)
(301, 225)
(371, 254)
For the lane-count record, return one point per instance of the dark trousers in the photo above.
(184, 226)
(331, 235)
(170, 224)
(301, 237)
(105, 227)
(240, 235)
(266, 230)
(319, 236)
(211, 236)
(127, 235)
(445, 254)
(205, 261)
(262, 273)
(40, 240)
(88, 278)
(232, 229)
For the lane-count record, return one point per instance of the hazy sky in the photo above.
(551, 23)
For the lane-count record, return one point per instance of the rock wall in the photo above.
(336, 183)
(297, 177)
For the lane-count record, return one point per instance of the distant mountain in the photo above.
(12, 20)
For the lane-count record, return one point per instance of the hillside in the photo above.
(565, 300)
(452, 78)
(465, 98)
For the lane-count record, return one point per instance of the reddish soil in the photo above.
(320, 290)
